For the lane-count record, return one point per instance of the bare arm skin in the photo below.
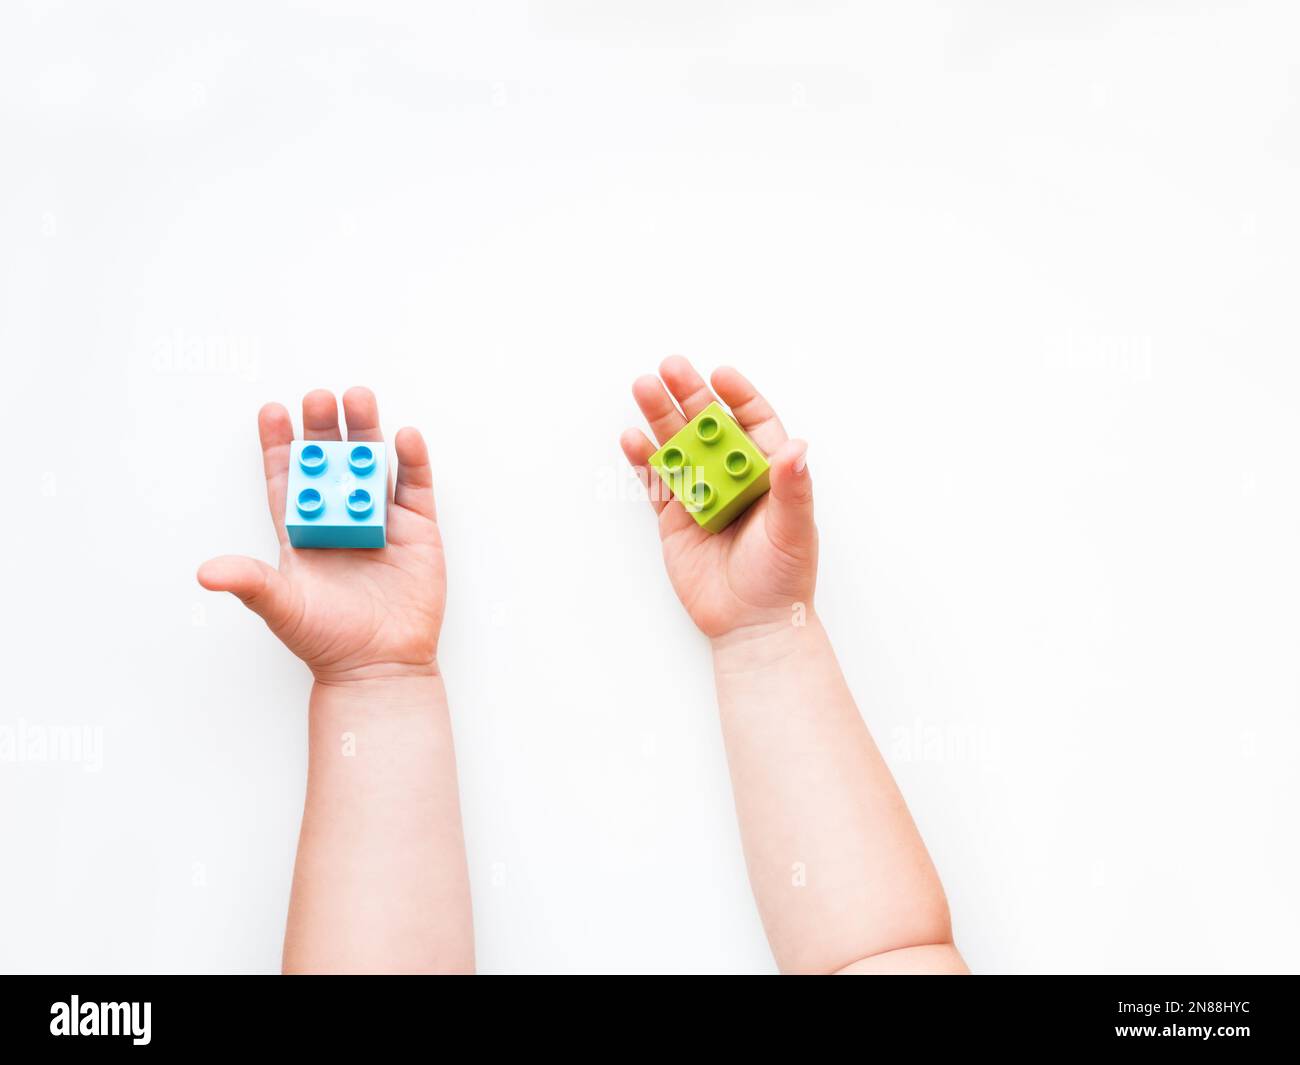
(842, 879)
(380, 884)
(838, 868)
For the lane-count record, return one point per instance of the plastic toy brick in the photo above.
(713, 468)
(338, 494)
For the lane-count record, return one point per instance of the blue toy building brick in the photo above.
(337, 495)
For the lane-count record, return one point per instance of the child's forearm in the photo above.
(380, 883)
(838, 868)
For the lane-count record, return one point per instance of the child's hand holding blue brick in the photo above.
(343, 612)
(380, 882)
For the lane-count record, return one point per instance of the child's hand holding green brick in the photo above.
(842, 879)
(761, 566)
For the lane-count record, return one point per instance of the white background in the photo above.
(1023, 273)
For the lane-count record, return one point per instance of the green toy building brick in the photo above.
(713, 468)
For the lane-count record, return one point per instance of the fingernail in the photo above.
(802, 460)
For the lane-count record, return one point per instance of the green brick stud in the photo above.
(713, 468)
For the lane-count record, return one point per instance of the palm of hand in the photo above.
(358, 608)
(735, 577)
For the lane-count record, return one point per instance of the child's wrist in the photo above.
(376, 729)
(762, 645)
(379, 691)
(374, 672)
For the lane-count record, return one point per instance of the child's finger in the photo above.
(789, 513)
(638, 449)
(751, 410)
(260, 587)
(686, 385)
(276, 433)
(320, 416)
(414, 476)
(657, 406)
(361, 412)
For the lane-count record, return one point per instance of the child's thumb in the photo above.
(790, 513)
(260, 587)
